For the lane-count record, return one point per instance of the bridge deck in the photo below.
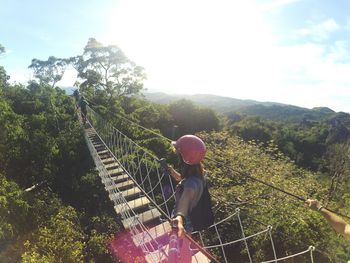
(136, 201)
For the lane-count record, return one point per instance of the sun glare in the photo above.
(196, 46)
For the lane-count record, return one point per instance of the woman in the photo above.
(83, 108)
(191, 186)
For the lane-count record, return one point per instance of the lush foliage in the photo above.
(58, 240)
(50, 71)
(53, 207)
(295, 227)
(13, 210)
(306, 143)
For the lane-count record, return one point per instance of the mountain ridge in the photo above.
(230, 106)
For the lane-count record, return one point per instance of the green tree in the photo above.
(48, 71)
(148, 115)
(191, 119)
(3, 76)
(253, 128)
(59, 240)
(107, 68)
(2, 49)
(337, 160)
(13, 210)
(34, 152)
(11, 135)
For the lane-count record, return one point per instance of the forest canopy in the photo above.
(66, 215)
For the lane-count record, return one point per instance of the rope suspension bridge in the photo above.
(143, 196)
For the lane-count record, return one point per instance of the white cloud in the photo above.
(309, 75)
(313, 63)
(320, 31)
(340, 51)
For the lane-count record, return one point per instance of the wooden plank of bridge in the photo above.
(115, 171)
(152, 234)
(108, 160)
(112, 166)
(120, 178)
(143, 217)
(160, 256)
(133, 204)
(199, 257)
(117, 179)
(120, 186)
(130, 193)
(102, 151)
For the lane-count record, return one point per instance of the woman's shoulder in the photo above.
(193, 182)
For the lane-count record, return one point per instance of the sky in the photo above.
(289, 51)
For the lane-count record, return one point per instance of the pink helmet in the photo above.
(191, 148)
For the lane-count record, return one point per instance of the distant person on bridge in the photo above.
(338, 224)
(82, 104)
(76, 95)
(192, 210)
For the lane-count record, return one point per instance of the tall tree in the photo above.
(191, 119)
(107, 68)
(3, 76)
(337, 159)
(2, 49)
(48, 71)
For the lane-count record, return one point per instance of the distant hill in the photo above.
(288, 113)
(228, 106)
(69, 90)
(218, 103)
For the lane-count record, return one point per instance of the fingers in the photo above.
(314, 204)
(311, 201)
(181, 233)
(308, 202)
(180, 228)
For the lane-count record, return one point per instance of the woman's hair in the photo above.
(188, 170)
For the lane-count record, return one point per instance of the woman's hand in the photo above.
(178, 222)
(176, 175)
(313, 204)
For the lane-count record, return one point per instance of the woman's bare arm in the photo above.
(338, 224)
(182, 209)
(175, 174)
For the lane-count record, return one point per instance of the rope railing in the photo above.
(139, 164)
(136, 226)
(143, 168)
(221, 245)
